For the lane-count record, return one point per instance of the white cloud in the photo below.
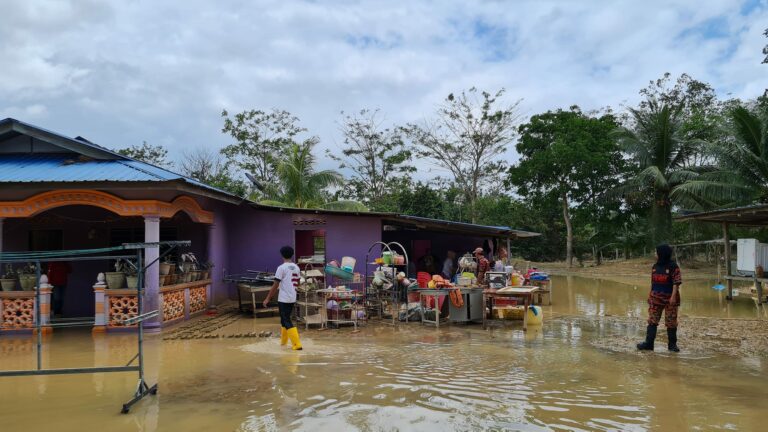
(123, 72)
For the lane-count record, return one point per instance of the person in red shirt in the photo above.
(483, 265)
(58, 273)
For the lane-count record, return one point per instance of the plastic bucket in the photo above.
(535, 315)
(348, 264)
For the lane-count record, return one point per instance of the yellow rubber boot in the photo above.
(283, 336)
(293, 335)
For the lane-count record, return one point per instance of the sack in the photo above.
(456, 298)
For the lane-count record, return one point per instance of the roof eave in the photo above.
(70, 144)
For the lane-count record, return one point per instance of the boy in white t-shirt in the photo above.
(287, 279)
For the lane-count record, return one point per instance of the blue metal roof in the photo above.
(24, 168)
(97, 163)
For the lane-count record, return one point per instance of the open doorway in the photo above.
(310, 246)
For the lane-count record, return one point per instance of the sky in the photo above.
(122, 72)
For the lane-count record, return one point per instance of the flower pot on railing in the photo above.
(27, 282)
(115, 280)
(165, 268)
(8, 284)
(132, 282)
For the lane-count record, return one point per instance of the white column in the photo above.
(214, 255)
(152, 273)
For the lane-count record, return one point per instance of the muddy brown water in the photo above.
(405, 378)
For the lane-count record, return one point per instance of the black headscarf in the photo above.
(664, 252)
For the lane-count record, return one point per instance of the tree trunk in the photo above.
(661, 215)
(569, 231)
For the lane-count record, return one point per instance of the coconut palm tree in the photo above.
(742, 174)
(661, 154)
(300, 186)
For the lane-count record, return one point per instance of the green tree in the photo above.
(701, 113)
(660, 156)
(298, 185)
(260, 139)
(209, 168)
(765, 48)
(568, 154)
(468, 138)
(742, 174)
(152, 154)
(375, 155)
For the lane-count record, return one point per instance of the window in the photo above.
(319, 245)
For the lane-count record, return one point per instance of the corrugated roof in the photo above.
(459, 227)
(60, 167)
(97, 164)
(752, 215)
(414, 221)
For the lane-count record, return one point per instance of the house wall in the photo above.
(255, 237)
(85, 227)
(218, 250)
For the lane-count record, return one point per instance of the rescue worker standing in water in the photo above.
(664, 297)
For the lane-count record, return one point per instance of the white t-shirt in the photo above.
(288, 274)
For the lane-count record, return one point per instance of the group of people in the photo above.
(450, 265)
(664, 296)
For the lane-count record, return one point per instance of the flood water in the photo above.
(405, 378)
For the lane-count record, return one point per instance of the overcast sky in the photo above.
(123, 72)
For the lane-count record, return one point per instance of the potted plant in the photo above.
(167, 266)
(189, 264)
(28, 277)
(116, 279)
(207, 268)
(131, 275)
(182, 276)
(8, 282)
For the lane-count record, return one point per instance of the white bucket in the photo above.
(348, 264)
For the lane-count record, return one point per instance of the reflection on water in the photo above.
(582, 296)
(407, 378)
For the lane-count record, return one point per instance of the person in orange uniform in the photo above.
(483, 266)
(664, 297)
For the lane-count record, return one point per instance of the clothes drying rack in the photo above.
(131, 252)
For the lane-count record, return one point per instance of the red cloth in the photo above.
(58, 273)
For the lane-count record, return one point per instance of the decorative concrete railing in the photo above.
(17, 310)
(177, 302)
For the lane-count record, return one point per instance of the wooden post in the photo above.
(727, 245)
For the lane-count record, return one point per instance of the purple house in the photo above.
(68, 193)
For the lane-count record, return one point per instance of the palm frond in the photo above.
(709, 194)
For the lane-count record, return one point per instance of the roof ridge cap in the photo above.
(124, 162)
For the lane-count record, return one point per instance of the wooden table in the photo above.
(545, 288)
(526, 293)
(758, 288)
(257, 293)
